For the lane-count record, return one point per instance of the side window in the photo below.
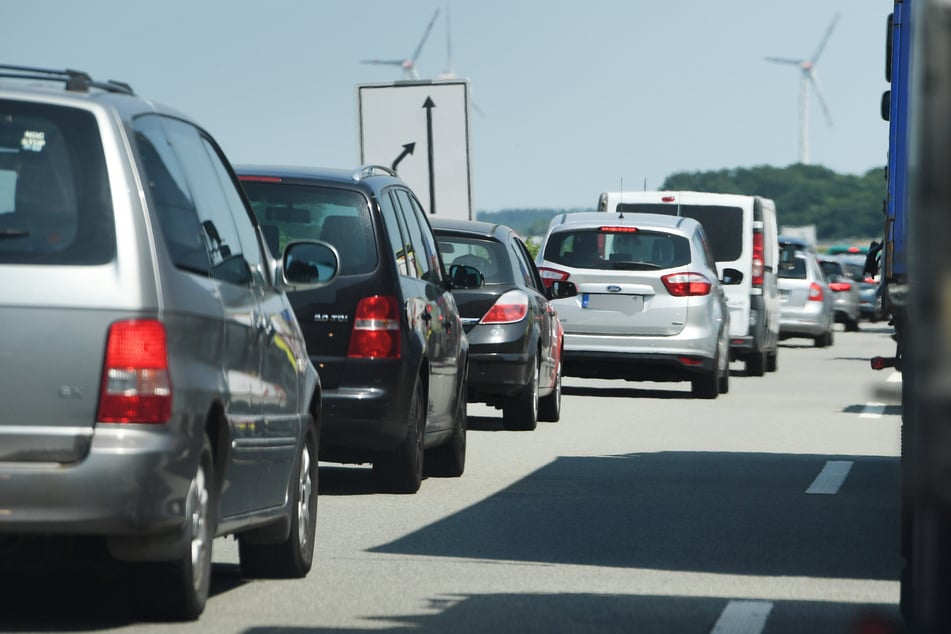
(194, 211)
(396, 236)
(421, 258)
(525, 267)
(435, 267)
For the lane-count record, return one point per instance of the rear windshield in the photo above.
(793, 268)
(723, 225)
(488, 256)
(340, 217)
(55, 205)
(635, 251)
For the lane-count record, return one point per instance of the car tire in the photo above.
(723, 384)
(852, 325)
(292, 558)
(401, 470)
(824, 340)
(772, 361)
(520, 413)
(549, 407)
(178, 590)
(448, 460)
(756, 364)
(707, 385)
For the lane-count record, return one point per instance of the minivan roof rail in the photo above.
(75, 80)
(369, 170)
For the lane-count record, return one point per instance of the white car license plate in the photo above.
(618, 303)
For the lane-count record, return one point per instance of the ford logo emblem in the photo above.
(614, 289)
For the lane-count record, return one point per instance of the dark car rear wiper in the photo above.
(14, 233)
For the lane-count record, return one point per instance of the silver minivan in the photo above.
(156, 389)
(649, 304)
(742, 231)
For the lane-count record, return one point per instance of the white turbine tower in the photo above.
(408, 65)
(808, 79)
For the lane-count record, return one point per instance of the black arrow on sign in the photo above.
(407, 149)
(429, 105)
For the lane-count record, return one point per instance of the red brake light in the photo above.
(667, 199)
(136, 387)
(617, 229)
(550, 275)
(759, 262)
(815, 293)
(839, 286)
(511, 307)
(376, 329)
(686, 284)
(260, 179)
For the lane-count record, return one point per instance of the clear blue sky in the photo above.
(574, 96)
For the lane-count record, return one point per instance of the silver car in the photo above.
(845, 293)
(807, 302)
(649, 304)
(157, 392)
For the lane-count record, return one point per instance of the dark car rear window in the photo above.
(489, 256)
(723, 225)
(340, 217)
(597, 249)
(55, 205)
(793, 268)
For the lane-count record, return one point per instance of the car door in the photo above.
(436, 316)
(541, 312)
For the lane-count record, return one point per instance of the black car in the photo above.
(515, 338)
(385, 335)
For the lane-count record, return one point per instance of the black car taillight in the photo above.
(376, 329)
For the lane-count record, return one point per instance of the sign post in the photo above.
(421, 130)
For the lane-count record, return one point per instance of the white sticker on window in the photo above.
(33, 140)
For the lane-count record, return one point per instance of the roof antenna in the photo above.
(620, 210)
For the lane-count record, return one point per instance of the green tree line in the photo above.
(841, 206)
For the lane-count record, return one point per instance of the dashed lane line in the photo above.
(831, 477)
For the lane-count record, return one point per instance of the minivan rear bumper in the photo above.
(132, 482)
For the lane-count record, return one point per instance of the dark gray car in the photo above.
(156, 392)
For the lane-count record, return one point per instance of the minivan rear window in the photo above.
(340, 217)
(722, 224)
(55, 204)
(595, 248)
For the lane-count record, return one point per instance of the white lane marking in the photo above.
(873, 410)
(894, 377)
(743, 617)
(831, 477)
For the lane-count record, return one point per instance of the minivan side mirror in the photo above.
(465, 276)
(561, 289)
(731, 276)
(308, 264)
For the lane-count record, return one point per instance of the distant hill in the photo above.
(841, 206)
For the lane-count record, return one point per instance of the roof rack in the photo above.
(369, 170)
(76, 80)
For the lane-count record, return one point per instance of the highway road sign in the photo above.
(421, 130)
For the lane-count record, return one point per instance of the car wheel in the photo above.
(707, 385)
(293, 557)
(178, 590)
(723, 384)
(756, 364)
(401, 471)
(824, 340)
(549, 407)
(521, 412)
(772, 361)
(852, 325)
(449, 459)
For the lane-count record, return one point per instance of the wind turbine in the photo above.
(408, 65)
(808, 80)
(449, 73)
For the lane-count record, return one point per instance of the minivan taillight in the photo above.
(550, 275)
(376, 329)
(136, 387)
(511, 307)
(686, 284)
(759, 263)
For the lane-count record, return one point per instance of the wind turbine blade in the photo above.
(386, 62)
(814, 79)
(425, 35)
(784, 60)
(825, 38)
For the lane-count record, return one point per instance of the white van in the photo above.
(743, 235)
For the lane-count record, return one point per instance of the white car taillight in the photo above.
(136, 387)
